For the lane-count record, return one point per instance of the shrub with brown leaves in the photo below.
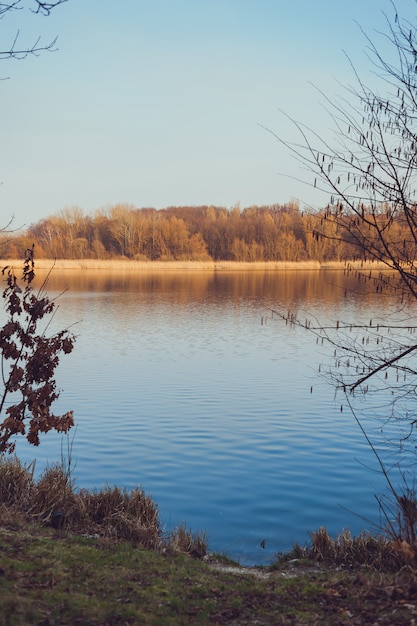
(29, 359)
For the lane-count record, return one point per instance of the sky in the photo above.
(160, 103)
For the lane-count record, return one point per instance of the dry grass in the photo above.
(152, 266)
(183, 541)
(110, 512)
(118, 514)
(52, 492)
(132, 265)
(376, 552)
(16, 482)
(48, 577)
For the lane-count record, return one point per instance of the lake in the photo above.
(186, 384)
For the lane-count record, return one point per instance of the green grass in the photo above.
(52, 577)
(111, 564)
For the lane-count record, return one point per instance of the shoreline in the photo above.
(214, 266)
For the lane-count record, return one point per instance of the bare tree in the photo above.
(17, 51)
(369, 171)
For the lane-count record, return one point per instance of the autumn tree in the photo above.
(257, 233)
(369, 172)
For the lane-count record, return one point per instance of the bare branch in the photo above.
(21, 52)
(45, 8)
(369, 170)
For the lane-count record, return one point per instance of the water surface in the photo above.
(187, 385)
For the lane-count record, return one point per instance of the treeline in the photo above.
(199, 233)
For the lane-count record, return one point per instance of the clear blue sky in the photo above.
(160, 102)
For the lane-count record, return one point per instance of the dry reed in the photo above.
(118, 514)
(142, 266)
(185, 541)
(16, 482)
(114, 513)
(53, 491)
(377, 552)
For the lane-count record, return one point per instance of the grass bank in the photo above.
(56, 578)
(100, 558)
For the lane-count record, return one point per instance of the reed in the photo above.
(118, 514)
(16, 482)
(118, 265)
(112, 513)
(377, 552)
(184, 541)
(53, 492)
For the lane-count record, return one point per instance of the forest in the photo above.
(195, 233)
